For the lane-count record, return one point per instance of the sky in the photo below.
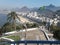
(28, 3)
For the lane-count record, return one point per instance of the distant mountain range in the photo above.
(48, 11)
(23, 9)
(26, 9)
(52, 7)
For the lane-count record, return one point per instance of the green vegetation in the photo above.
(43, 23)
(42, 8)
(7, 27)
(56, 31)
(57, 34)
(0, 32)
(54, 28)
(19, 27)
(14, 37)
(31, 25)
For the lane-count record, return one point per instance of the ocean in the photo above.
(3, 19)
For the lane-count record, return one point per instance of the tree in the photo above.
(6, 27)
(12, 18)
(57, 34)
(0, 32)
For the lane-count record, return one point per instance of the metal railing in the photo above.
(26, 42)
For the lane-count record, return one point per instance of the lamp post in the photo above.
(25, 30)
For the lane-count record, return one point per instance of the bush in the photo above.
(20, 27)
(54, 28)
(31, 25)
(57, 34)
(42, 23)
(56, 31)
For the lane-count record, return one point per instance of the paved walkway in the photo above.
(31, 34)
(35, 34)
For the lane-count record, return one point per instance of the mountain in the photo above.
(52, 7)
(24, 9)
(34, 9)
(46, 10)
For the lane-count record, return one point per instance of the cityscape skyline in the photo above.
(30, 3)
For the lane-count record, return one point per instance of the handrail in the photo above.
(26, 42)
(34, 42)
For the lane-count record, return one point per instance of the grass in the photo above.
(14, 37)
